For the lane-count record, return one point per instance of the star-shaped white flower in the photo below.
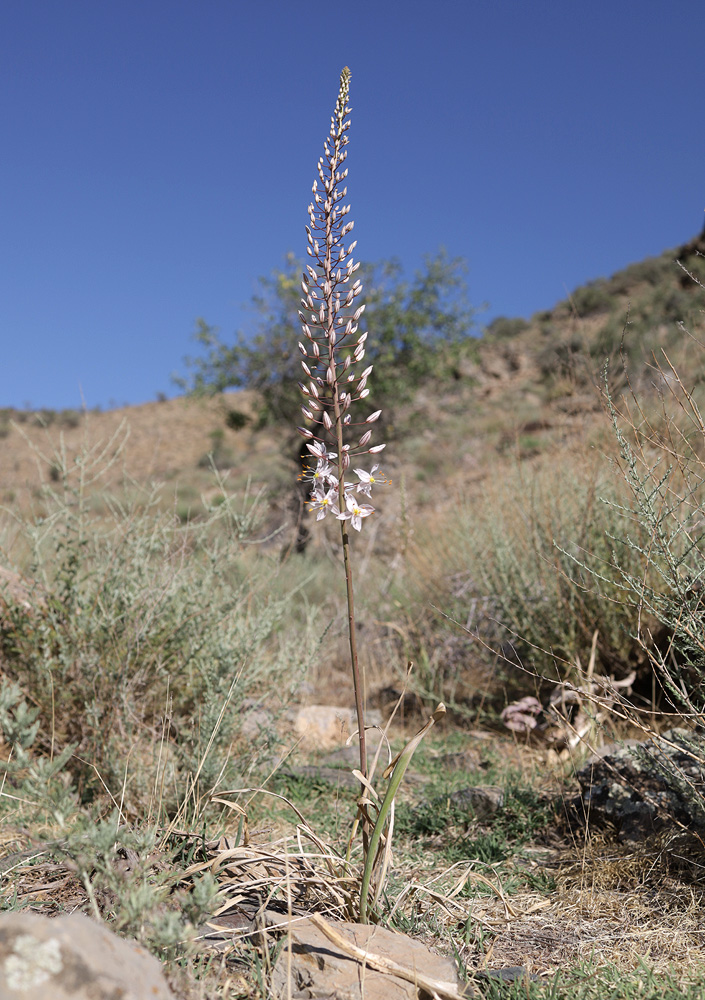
(322, 502)
(368, 480)
(318, 476)
(355, 512)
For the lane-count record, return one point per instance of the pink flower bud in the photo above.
(365, 438)
(373, 416)
(305, 431)
(327, 422)
(376, 448)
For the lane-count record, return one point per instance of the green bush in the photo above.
(528, 592)
(594, 297)
(140, 638)
(504, 328)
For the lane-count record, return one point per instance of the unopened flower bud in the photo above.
(376, 448)
(327, 422)
(373, 416)
(305, 431)
(365, 438)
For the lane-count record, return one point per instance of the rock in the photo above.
(324, 727)
(510, 974)
(643, 789)
(320, 969)
(482, 800)
(73, 958)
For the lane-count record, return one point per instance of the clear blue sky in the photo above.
(157, 156)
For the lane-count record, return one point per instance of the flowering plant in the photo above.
(333, 352)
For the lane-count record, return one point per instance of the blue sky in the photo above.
(158, 155)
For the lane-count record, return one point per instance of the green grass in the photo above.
(601, 982)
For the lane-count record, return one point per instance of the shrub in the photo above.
(139, 637)
(514, 576)
(504, 328)
(592, 298)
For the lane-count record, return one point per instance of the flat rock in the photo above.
(316, 968)
(324, 727)
(73, 958)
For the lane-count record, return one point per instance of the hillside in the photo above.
(527, 385)
(175, 665)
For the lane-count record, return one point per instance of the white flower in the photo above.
(355, 512)
(323, 502)
(368, 480)
(321, 474)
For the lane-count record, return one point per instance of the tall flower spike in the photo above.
(330, 307)
(329, 318)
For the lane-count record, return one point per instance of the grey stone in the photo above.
(483, 801)
(510, 974)
(316, 968)
(643, 789)
(73, 958)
